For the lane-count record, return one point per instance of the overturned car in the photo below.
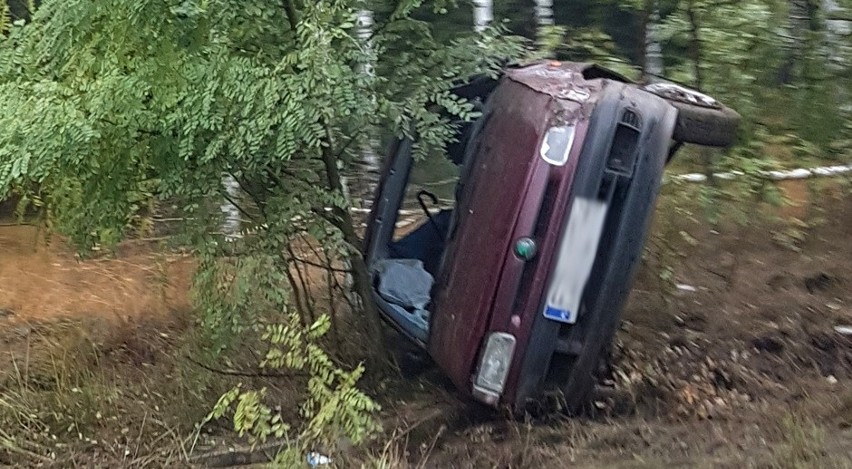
(516, 289)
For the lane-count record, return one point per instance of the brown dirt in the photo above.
(797, 192)
(746, 371)
(42, 282)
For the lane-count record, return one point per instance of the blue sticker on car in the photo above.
(561, 315)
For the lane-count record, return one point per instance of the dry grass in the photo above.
(75, 394)
(803, 444)
(117, 389)
(746, 372)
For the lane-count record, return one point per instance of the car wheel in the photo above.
(701, 119)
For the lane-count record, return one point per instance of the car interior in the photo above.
(405, 266)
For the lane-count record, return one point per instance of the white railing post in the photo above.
(483, 14)
(231, 224)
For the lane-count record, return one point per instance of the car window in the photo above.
(434, 174)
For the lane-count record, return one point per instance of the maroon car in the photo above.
(515, 289)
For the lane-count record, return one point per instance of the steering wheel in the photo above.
(425, 209)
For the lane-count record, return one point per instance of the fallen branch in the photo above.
(8, 443)
(246, 374)
(240, 456)
(320, 266)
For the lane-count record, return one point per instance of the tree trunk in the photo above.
(483, 13)
(231, 223)
(695, 51)
(652, 51)
(798, 24)
(838, 47)
(342, 220)
(694, 43)
(365, 170)
(543, 14)
(362, 177)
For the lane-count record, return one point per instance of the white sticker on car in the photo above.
(575, 259)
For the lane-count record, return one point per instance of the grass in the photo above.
(68, 397)
(115, 395)
(81, 393)
(803, 444)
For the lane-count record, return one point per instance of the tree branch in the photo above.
(301, 306)
(837, 16)
(292, 15)
(342, 220)
(248, 374)
(321, 266)
(309, 304)
(234, 203)
(254, 197)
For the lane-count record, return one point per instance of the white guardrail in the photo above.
(798, 173)
(778, 175)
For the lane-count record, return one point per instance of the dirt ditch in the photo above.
(739, 358)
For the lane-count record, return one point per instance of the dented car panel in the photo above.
(496, 194)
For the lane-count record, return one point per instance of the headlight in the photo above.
(494, 367)
(557, 145)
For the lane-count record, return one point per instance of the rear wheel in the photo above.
(701, 119)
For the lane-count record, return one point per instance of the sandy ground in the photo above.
(43, 282)
(743, 367)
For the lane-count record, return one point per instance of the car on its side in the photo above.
(516, 290)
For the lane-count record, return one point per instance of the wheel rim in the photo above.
(681, 94)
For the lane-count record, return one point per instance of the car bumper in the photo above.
(519, 306)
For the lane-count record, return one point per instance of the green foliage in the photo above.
(549, 39)
(788, 91)
(334, 408)
(5, 18)
(738, 49)
(107, 105)
(754, 56)
(593, 45)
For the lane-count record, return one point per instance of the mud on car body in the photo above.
(517, 289)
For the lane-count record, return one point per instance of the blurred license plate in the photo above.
(574, 260)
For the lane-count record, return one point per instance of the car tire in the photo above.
(701, 119)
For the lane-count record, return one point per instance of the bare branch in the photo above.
(248, 374)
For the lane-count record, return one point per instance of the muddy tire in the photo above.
(701, 119)
(709, 127)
